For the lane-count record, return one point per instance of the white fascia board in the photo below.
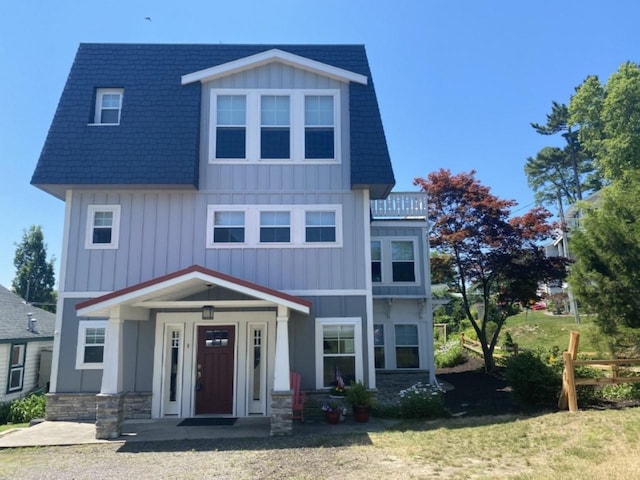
(269, 56)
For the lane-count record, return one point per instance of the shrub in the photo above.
(27, 408)
(422, 401)
(622, 391)
(534, 381)
(5, 407)
(449, 355)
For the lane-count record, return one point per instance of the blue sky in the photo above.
(458, 82)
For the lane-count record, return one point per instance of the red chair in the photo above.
(297, 403)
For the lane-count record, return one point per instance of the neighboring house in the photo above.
(26, 342)
(217, 233)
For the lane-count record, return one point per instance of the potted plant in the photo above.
(361, 400)
(331, 411)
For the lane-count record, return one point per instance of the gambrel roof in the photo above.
(158, 139)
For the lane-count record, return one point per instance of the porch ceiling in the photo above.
(168, 290)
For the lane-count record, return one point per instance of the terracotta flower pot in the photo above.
(361, 413)
(333, 417)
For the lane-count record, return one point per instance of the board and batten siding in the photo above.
(164, 231)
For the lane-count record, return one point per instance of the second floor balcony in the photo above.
(400, 206)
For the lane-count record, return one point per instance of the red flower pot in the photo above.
(361, 413)
(333, 417)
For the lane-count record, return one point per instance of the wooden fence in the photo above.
(476, 346)
(568, 397)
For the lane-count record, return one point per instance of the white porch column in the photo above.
(112, 359)
(281, 367)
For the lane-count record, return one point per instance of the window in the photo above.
(108, 106)
(338, 350)
(231, 126)
(402, 261)
(228, 227)
(318, 127)
(16, 367)
(103, 226)
(378, 345)
(376, 261)
(407, 355)
(274, 132)
(91, 342)
(320, 227)
(275, 227)
(274, 125)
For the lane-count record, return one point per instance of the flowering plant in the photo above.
(330, 406)
(339, 389)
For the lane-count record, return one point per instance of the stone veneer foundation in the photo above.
(81, 407)
(281, 413)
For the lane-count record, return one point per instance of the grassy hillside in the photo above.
(536, 329)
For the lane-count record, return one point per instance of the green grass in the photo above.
(10, 426)
(535, 329)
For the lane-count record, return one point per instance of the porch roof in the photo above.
(167, 290)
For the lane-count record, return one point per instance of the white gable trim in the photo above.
(269, 56)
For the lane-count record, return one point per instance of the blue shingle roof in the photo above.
(157, 141)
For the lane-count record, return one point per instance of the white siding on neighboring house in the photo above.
(31, 364)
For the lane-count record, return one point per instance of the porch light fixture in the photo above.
(207, 312)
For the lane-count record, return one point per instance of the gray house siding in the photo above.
(417, 233)
(138, 337)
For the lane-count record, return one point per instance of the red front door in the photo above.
(214, 369)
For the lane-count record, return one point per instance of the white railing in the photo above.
(401, 205)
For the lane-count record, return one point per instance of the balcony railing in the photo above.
(401, 205)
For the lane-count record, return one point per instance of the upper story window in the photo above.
(103, 226)
(228, 227)
(108, 106)
(275, 125)
(319, 134)
(403, 261)
(231, 126)
(275, 141)
(274, 226)
(320, 226)
(393, 260)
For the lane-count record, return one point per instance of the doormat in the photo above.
(206, 422)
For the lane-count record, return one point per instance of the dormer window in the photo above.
(108, 106)
(231, 129)
(274, 132)
(318, 126)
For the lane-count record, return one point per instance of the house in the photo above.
(217, 233)
(26, 342)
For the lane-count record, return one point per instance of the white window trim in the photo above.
(17, 366)
(115, 228)
(387, 261)
(100, 92)
(356, 322)
(254, 124)
(252, 225)
(83, 325)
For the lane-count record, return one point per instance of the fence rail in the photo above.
(476, 347)
(568, 397)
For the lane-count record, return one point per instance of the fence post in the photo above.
(462, 341)
(569, 382)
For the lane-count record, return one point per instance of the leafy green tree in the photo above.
(34, 278)
(608, 117)
(561, 174)
(606, 274)
(494, 256)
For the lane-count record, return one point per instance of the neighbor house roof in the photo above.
(158, 139)
(14, 319)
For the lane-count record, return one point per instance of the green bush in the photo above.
(27, 408)
(449, 355)
(5, 407)
(534, 381)
(622, 391)
(421, 401)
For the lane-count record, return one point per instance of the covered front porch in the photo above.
(221, 348)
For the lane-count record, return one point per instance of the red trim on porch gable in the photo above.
(186, 271)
